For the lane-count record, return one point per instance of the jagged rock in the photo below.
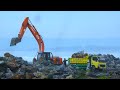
(20, 71)
(29, 75)
(9, 74)
(13, 63)
(1, 74)
(69, 77)
(40, 75)
(1, 58)
(7, 54)
(3, 67)
(50, 76)
(1, 62)
(56, 77)
(18, 76)
(80, 54)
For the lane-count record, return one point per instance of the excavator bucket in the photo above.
(14, 41)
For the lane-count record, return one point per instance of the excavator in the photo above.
(41, 55)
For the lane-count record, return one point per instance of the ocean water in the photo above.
(61, 47)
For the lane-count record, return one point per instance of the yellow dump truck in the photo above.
(91, 61)
(96, 62)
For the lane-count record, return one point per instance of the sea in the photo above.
(28, 48)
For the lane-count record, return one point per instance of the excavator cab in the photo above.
(45, 56)
(49, 56)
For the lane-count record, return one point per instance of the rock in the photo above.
(40, 75)
(50, 76)
(13, 63)
(19, 58)
(20, 71)
(80, 54)
(29, 75)
(18, 76)
(53, 71)
(30, 69)
(12, 67)
(23, 66)
(1, 62)
(2, 59)
(60, 68)
(92, 74)
(3, 67)
(56, 77)
(7, 54)
(69, 77)
(9, 74)
(1, 74)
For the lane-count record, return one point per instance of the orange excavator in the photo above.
(41, 54)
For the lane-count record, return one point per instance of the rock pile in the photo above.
(12, 67)
(80, 54)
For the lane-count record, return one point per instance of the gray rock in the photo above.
(9, 74)
(20, 71)
(1, 62)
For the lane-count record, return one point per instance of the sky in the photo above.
(63, 32)
(71, 24)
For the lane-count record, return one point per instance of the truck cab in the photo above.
(97, 62)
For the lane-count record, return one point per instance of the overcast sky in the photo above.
(64, 24)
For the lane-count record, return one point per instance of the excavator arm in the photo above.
(27, 23)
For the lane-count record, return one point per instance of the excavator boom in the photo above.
(27, 23)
